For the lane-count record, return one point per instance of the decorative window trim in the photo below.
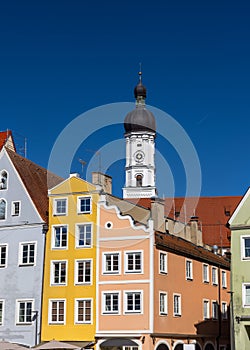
(189, 274)
(125, 302)
(165, 294)
(50, 311)
(20, 258)
(52, 273)
(243, 255)
(2, 302)
(112, 272)
(205, 280)
(55, 212)
(244, 285)
(13, 208)
(165, 255)
(135, 271)
(77, 235)
(53, 237)
(76, 311)
(112, 312)
(77, 261)
(3, 266)
(179, 312)
(79, 211)
(18, 301)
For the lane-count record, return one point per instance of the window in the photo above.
(84, 236)
(224, 279)
(189, 270)
(163, 262)
(3, 180)
(111, 263)
(214, 310)
(15, 208)
(246, 295)
(214, 276)
(177, 305)
(206, 309)
(83, 272)
(205, 273)
(245, 247)
(27, 253)
(60, 237)
(24, 311)
(60, 206)
(163, 303)
(83, 311)
(84, 205)
(3, 255)
(133, 302)
(224, 310)
(57, 311)
(139, 180)
(1, 312)
(133, 262)
(2, 209)
(58, 272)
(131, 347)
(110, 303)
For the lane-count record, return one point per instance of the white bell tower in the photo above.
(140, 132)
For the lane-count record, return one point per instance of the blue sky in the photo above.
(59, 59)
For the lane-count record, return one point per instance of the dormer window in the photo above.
(3, 180)
(2, 209)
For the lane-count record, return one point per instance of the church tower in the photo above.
(140, 132)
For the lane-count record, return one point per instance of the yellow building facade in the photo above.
(70, 255)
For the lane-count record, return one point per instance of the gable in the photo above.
(73, 184)
(241, 216)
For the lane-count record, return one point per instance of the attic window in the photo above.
(3, 180)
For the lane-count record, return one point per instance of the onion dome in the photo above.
(140, 119)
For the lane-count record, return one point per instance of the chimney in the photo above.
(103, 180)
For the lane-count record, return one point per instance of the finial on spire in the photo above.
(140, 73)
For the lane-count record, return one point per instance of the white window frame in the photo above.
(133, 252)
(163, 256)
(223, 279)
(52, 272)
(243, 255)
(215, 309)
(13, 208)
(84, 261)
(21, 252)
(77, 235)
(91, 311)
(18, 302)
(51, 301)
(177, 313)
(2, 302)
(53, 237)
(214, 272)
(79, 211)
(163, 302)
(224, 310)
(3, 266)
(244, 304)
(111, 293)
(55, 212)
(189, 269)
(125, 302)
(206, 309)
(205, 278)
(104, 263)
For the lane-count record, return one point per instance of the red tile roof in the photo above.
(37, 181)
(213, 214)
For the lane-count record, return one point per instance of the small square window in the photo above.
(60, 206)
(24, 311)
(57, 311)
(83, 274)
(111, 263)
(27, 253)
(84, 236)
(133, 302)
(84, 205)
(133, 262)
(110, 303)
(58, 272)
(60, 237)
(83, 311)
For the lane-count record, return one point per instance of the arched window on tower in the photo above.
(139, 180)
(2, 209)
(3, 180)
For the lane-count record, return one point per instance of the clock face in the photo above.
(139, 156)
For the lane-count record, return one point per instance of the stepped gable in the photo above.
(180, 246)
(37, 181)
